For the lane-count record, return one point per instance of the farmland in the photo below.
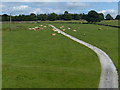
(35, 59)
(110, 22)
(106, 38)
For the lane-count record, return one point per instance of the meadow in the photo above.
(105, 39)
(35, 59)
(110, 22)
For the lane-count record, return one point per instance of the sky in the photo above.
(60, 0)
(58, 7)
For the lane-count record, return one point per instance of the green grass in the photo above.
(0, 55)
(110, 22)
(35, 59)
(62, 21)
(107, 22)
(105, 39)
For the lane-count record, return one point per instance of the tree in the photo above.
(76, 16)
(101, 16)
(52, 17)
(83, 16)
(66, 12)
(42, 17)
(109, 17)
(60, 17)
(22, 18)
(5, 17)
(117, 17)
(0, 18)
(92, 16)
(33, 17)
(67, 16)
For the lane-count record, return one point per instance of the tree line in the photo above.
(92, 16)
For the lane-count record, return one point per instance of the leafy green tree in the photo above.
(117, 17)
(42, 17)
(101, 16)
(52, 17)
(81, 15)
(5, 17)
(60, 17)
(66, 12)
(109, 17)
(33, 17)
(92, 16)
(76, 16)
(67, 16)
(15, 18)
(0, 17)
(22, 18)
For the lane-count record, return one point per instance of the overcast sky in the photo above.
(58, 7)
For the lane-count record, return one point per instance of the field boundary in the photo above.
(68, 22)
(109, 76)
(107, 25)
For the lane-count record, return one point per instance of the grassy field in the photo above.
(0, 55)
(35, 59)
(61, 21)
(105, 39)
(110, 22)
(107, 22)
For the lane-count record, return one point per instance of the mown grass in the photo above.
(110, 22)
(62, 21)
(107, 22)
(105, 39)
(35, 59)
(0, 55)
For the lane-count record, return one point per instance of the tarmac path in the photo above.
(109, 76)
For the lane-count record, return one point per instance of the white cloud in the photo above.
(45, 10)
(16, 9)
(110, 11)
(1, 5)
(25, 9)
(21, 7)
(46, 7)
(36, 10)
(50, 10)
(76, 5)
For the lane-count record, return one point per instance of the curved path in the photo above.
(109, 76)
